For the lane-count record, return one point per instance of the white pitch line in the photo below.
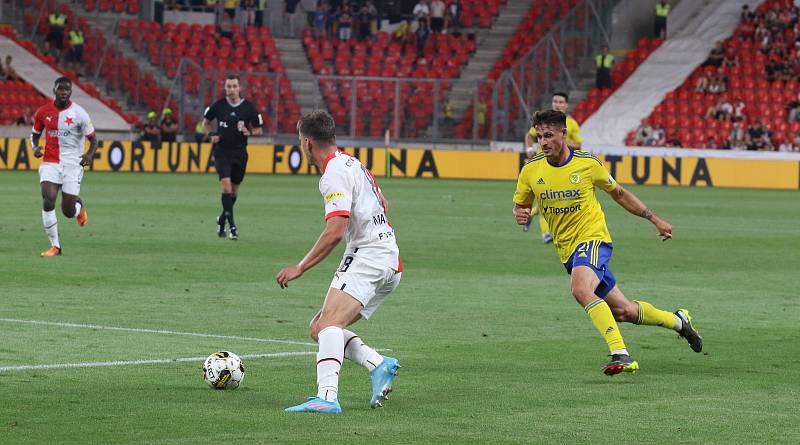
(142, 362)
(154, 331)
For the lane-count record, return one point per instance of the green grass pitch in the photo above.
(494, 348)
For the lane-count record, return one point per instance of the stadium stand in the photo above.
(619, 73)
(758, 86)
(442, 58)
(534, 26)
(20, 99)
(251, 50)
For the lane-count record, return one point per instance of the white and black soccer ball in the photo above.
(223, 370)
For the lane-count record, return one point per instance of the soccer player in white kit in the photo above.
(370, 270)
(65, 124)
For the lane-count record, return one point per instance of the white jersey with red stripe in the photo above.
(350, 190)
(64, 131)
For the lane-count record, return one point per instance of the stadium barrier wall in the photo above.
(696, 168)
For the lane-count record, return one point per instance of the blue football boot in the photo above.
(316, 405)
(382, 378)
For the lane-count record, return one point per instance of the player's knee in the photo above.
(68, 209)
(583, 294)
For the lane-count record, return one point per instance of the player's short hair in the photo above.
(234, 77)
(62, 79)
(562, 94)
(319, 126)
(549, 117)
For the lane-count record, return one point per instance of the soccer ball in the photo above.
(223, 370)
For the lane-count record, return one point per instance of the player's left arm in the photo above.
(88, 157)
(257, 123)
(88, 130)
(634, 205)
(334, 232)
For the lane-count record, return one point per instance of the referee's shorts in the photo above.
(230, 163)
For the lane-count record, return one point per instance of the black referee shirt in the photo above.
(231, 120)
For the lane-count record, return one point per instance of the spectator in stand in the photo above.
(169, 126)
(422, 36)
(711, 143)
(674, 142)
(722, 111)
(662, 11)
(249, 8)
(152, 130)
(719, 82)
(747, 15)
(731, 59)
(365, 23)
(76, 41)
(54, 42)
(230, 7)
(401, 34)
(9, 72)
(261, 6)
(758, 137)
(703, 82)
(438, 8)
(644, 134)
(26, 118)
(200, 132)
(453, 17)
(345, 23)
(716, 56)
(319, 20)
(422, 13)
(786, 146)
(603, 62)
(659, 136)
(739, 113)
(737, 140)
(226, 26)
(375, 25)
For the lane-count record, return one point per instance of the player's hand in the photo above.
(214, 139)
(664, 229)
(86, 159)
(288, 274)
(245, 131)
(522, 215)
(38, 152)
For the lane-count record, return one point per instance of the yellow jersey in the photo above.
(573, 131)
(566, 198)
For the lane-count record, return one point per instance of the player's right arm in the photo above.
(208, 116)
(523, 199)
(36, 134)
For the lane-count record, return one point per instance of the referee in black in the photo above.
(237, 119)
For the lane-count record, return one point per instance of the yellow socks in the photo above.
(603, 320)
(651, 316)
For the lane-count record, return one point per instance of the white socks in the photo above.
(329, 362)
(678, 324)
(50, 223)
(355, 350)
(77, 209)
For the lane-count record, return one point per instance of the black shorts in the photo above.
(56, 38)
(230, 163)
(76, 53)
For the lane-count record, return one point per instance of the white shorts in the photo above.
(68, 176)
(368, 283)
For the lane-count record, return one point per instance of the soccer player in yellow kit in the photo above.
(561, 181)
(560, 103)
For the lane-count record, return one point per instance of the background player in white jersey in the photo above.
(65, 125)
(370, 270)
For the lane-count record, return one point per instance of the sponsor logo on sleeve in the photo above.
(333, 195)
